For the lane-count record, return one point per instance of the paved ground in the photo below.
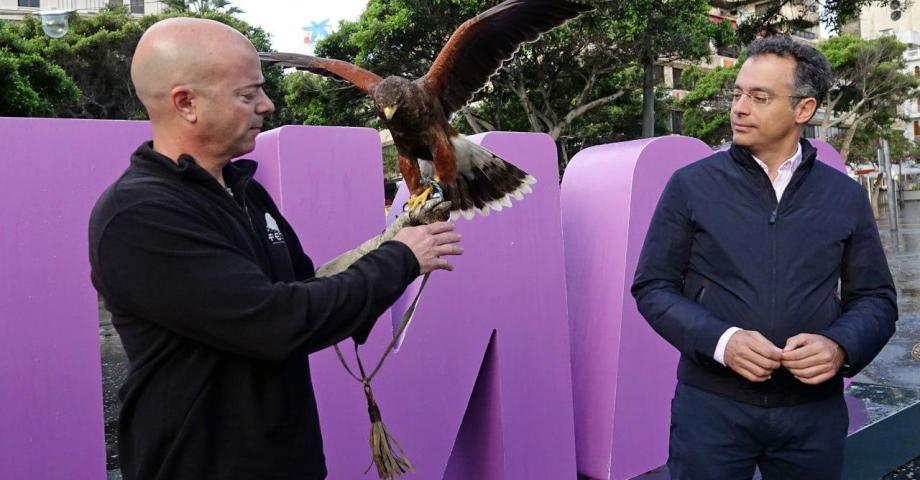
(894, 367)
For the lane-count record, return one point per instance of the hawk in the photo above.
(433, 157)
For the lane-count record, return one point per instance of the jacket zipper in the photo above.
(794, 184)
(773, 207)
(243, 208)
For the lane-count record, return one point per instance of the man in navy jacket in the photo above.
(763, 266)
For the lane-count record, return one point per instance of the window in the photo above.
(659, 73)
(917, 71)
(916, 128)
(678, 78)
(677, 122)
(137, 6)
(29, 3)
(811, 131)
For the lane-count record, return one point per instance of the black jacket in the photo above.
(217, 308)
(721, 252)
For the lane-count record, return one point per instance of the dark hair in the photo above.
(813, 74)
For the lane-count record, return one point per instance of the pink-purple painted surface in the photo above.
(482, 386)
(51, 424)
(828, 155)
(623, 372)
(508, 287)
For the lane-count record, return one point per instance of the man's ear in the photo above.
(805, 110)
(184, 102)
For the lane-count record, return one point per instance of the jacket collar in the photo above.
(236, 174)
(745, 158)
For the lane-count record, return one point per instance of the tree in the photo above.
(706, 107)
(656, 32)
(97, 54)
(30, 86)
(870, 84)
(578, 83)
(202, 6)
(865, 144)
(785, 16)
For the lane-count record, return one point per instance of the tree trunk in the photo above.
(848, 139)
(648, 100)
(558, 129)
(471, 120)
(876, 188)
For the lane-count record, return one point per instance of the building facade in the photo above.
(874, 22)
(18, 9)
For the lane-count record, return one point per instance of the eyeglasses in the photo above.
(757, 98)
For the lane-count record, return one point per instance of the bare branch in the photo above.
(581, 110)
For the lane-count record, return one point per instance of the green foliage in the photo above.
(97, 52)
(863, 148)
(706, 107)
(786, 16)
(313, 100)
(870, 84)
(201, 6)
(580, 83)
(662, 31)
(30, 85)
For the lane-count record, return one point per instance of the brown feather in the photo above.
(327, 67)
(478, 48)
(411, 174)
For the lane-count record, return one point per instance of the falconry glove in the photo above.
(434, 210)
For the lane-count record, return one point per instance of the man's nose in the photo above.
(742, 106)
(266, 106)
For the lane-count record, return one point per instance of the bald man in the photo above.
(215, 301)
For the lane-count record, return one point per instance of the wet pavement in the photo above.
(895, 373)
(114, 370)
(889, 384)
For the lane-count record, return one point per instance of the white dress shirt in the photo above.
(783, 177)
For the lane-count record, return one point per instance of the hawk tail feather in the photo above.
(484, 181)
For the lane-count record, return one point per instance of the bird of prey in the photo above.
(433, 157)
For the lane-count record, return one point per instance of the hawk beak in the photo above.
(388, 112)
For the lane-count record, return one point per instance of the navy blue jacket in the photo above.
(720, 252)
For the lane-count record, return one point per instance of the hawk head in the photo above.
(390, 94)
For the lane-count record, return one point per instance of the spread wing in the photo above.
(478, 48)
(327, 67)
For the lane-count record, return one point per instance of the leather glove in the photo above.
(434, 210)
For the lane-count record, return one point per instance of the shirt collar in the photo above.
(791, 164)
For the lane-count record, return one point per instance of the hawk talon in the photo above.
(438, 190)
(416, 201)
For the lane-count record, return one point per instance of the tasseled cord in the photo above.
(389, 458)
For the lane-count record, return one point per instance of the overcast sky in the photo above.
(285, 19)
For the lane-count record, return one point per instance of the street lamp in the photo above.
(55, 23)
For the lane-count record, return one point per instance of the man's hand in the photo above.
(429, 243)
(811, 358)
(752, 356)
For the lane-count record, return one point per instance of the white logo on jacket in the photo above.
(274, 233)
